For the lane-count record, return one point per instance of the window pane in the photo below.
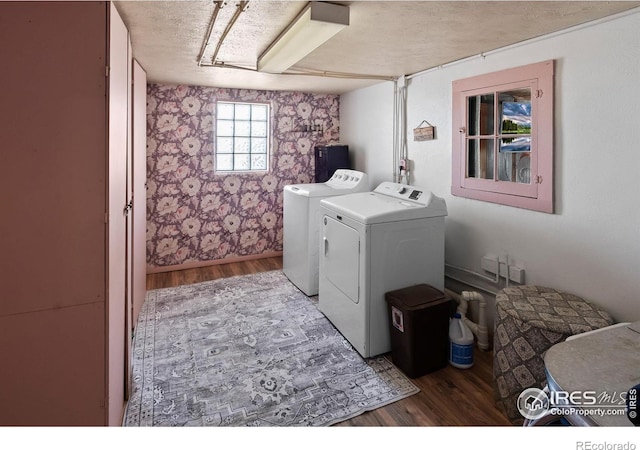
(480, 158)
(243, 112)
(243, 145)
(515, 107)
(225, 111)
(224, 162)
(225, 145)
(481, 114)
(258, 146)
(518, 144)
(241, 162)
(224, 128)
(259, 112)
(243, 128)
(259, 162)
(259, 129)
(515, 167)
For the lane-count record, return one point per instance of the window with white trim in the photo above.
(241, 137)
(503, 137)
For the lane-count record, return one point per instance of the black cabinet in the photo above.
(328, 159)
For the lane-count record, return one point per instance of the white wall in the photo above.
(368, 115)
(591, 245)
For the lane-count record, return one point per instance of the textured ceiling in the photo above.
(388, 39)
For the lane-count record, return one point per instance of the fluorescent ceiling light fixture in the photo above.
(316, 24)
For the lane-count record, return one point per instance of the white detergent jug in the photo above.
(460, 343)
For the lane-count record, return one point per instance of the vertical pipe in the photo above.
(404, 150)
(395, 131)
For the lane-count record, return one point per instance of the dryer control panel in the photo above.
(412, 196)
(415, 195)
(404, 192)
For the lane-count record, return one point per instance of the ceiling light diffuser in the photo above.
(316, 24)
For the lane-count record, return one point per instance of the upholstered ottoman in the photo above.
(529, 320)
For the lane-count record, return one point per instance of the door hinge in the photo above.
(107, 69)
(538, 179)
(127, 208)
(539, 93)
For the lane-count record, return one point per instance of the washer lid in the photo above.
(390, 202)
(343, 181)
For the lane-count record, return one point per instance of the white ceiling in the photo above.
(384, 38)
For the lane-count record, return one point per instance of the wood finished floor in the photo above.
(448, 397)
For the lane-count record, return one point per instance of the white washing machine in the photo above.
(301, 228)
(373, 243)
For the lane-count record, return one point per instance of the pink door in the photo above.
(139, 188)
(116, 239)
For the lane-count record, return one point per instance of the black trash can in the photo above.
(419, 328)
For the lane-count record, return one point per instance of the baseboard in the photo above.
(197, 264)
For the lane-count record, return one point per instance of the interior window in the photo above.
(503, 137)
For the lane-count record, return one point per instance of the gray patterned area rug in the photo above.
(249, 351)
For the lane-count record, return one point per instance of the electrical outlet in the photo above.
(489, 263)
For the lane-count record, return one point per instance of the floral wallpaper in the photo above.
(196, 215)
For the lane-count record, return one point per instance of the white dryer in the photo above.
(301, 224)
(373, 243)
